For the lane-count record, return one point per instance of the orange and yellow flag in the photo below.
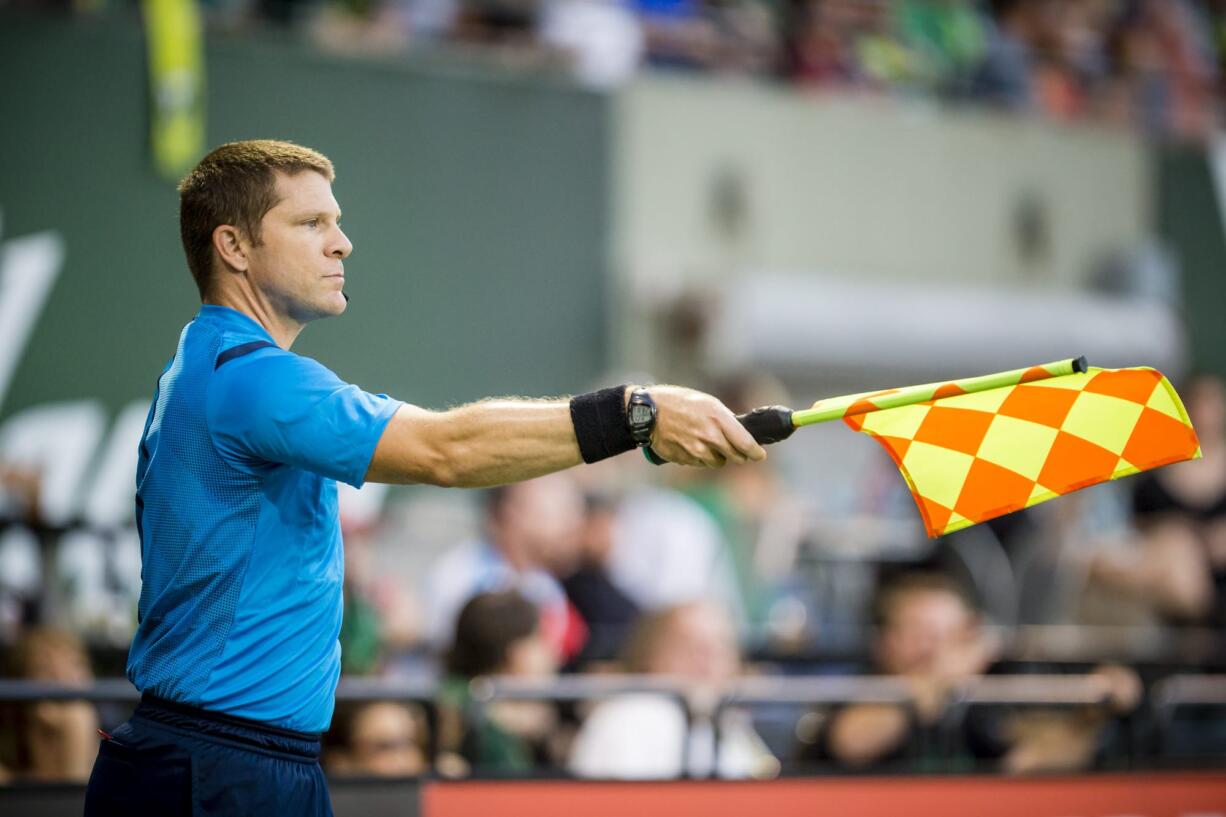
(971, 457)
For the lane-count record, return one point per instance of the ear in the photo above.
(230, 246)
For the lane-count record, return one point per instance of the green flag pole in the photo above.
(772, 424)
(836, 408)
(175, 42)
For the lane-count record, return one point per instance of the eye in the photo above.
(312, 223)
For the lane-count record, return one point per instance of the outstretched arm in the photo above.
(863, 734)
(506, 440)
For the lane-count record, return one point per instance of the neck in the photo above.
(284, 329)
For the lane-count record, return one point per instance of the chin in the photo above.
(337, 304)
(328, 307)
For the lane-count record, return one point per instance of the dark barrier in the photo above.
(1139, 795)
(350, 798)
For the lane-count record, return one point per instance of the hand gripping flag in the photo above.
(974, 449)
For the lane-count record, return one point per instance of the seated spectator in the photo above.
(664, 549)
(1174, 572)
(668, 551)
(607, 612)
(497, 634)
(645, 736)
(55, 740)
(945, 39)
(1188, 501)
(760, 519)
(530, 528)
(931, 635)
(380, 739)
(1005, 76)
(382, 619)
(819, 52)
(502, 22)
(602, 39)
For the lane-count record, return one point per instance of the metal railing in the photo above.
(1168, 696)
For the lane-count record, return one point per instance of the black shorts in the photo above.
(170, 760)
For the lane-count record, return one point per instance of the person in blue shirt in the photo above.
(236, 652)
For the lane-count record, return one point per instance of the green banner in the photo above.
(175, 41)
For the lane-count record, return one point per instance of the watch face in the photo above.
(640, 414)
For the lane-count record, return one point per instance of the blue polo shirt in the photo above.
(242, 563)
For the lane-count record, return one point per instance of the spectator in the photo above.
(667, 550)
(530, 528)
(602, 38)
(678, 33)
(1005, 76)
(381, 618)
(759, 518)
(362, 27)
(845, 43)
(945, 39)
(498, 22)
(645, 736)
(55, 740)
(1181, 511)
(20, 494)
(930, 634)
(382, 739)
(1170, 569)
(1185, 40)
(1162, 68)
(607, 612)
(497, 634)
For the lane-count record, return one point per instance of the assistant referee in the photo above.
(236, 652)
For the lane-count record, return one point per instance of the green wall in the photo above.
(476, 205)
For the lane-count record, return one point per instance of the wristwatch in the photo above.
(641, 416)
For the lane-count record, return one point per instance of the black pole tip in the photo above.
(1080, 366)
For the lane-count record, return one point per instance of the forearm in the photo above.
(864, 733)
(1168, 569)
(486, 443)
(498, 441)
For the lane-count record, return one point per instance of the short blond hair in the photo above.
(236, 184)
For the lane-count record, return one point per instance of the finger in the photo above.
(741, 444)
(701, 455)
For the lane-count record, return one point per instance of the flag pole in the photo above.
(836, 408)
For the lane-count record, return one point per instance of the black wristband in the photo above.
(600, 423)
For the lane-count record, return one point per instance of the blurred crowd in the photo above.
(1151, 64)
(705, 579)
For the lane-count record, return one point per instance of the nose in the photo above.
(341, 246)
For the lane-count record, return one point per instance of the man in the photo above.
(529, 526)
(236, 649)
(647, 736)
(932, 635)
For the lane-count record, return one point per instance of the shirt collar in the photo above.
(232, 322)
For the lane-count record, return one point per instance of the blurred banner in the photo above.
(175, 39)
(1139, 795)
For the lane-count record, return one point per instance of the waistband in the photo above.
(219, 727)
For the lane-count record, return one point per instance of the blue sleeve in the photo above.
(274, 406)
